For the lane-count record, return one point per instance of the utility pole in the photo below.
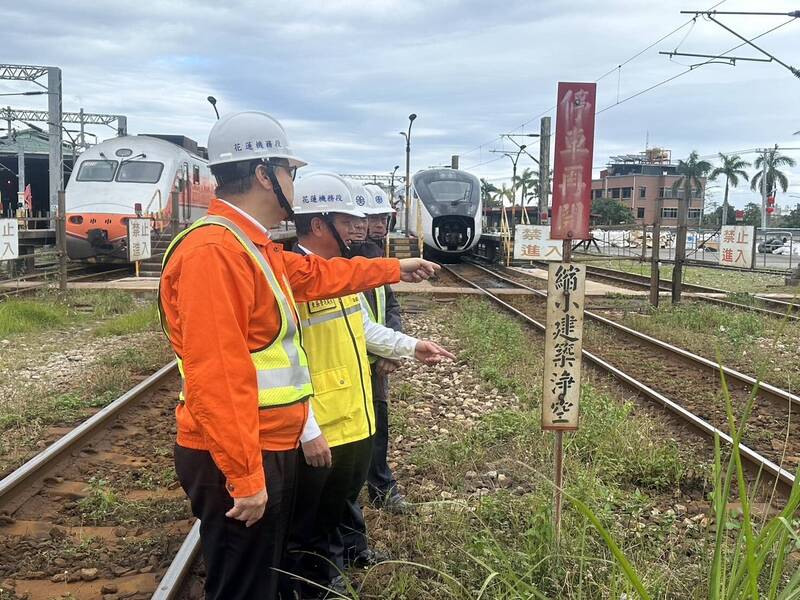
(407, 135)
(764, 190)
(544, 168)
(55, 140)
(655, 265)
(680, 241)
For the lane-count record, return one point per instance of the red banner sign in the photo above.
(572, 172)
(740, 215)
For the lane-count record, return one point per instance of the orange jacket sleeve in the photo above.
(315, 278)
(215, 297)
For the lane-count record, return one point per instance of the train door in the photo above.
(186, 196)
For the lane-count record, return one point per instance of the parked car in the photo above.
(770, 244)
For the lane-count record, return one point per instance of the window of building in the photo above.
(694, 213)
(627, 192)
(669, 213)
(642, 192)
(597, 194)
(615, 192)
(640, 212)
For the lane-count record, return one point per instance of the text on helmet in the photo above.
(257, 145)
(313, 198)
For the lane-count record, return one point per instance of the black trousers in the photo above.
(239, 560)
(315, 550)
(380, 479)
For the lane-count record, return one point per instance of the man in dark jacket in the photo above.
(381, 484)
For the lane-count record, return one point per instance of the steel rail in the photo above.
(733, 374)
(170, 585)
(39, 464)
(759, 461)
(43, 284)
(644, 282)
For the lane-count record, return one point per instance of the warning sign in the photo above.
(532, 242)
(9, 239)
(139, 244)
(736, 246)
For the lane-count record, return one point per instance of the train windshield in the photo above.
(97, 170)
(450, 191)
(140, 171)
(447, 191)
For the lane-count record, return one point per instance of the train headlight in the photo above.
(76, 219)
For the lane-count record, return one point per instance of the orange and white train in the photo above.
(125, 177)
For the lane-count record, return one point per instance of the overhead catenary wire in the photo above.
(603, 76)
(690, 69)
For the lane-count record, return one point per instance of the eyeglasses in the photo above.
(285, 165)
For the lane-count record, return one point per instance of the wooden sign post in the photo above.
(572, 202)
(562, 362)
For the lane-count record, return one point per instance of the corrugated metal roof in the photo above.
(33, 142)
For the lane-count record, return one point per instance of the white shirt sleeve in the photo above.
(311, 430)
(383, 341)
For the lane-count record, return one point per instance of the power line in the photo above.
(619, 66)
(691, 68)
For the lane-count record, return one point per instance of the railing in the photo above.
(777, 249)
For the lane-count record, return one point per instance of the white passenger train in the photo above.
(130, 176)
(451, 210)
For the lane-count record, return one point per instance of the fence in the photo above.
(776, 249)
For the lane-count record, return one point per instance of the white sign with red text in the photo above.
(736, 246)
(532, 242)
(9, 239)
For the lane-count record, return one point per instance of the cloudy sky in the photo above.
(343, 75)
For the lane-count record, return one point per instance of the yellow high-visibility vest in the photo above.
(282, 367)
(333, 336)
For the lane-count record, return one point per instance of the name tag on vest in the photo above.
(315, 306)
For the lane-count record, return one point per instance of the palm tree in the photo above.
(772, 159)
(732, 167)
(528, 180)
(692, 172)
(488, 190)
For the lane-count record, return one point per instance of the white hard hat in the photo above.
(380, 203)
(249, 135)
(319, 193)
(361, 196)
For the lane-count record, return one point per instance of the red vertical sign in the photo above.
(572, 172)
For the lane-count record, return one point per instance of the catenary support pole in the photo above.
(61, 240)
(56, 148)
(544, 168)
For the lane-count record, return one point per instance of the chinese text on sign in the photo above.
(139, 247)
(736, 246)
(572, 174)
(532, 242)
(562, 348)
(9, 239)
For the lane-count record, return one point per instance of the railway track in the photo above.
(684, 383)
(99, 511)
(76, 274)
(780, 309)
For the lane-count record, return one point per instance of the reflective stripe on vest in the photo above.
(333, 335)
(380, 306)
(282, 367)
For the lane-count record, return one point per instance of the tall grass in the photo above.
(22, 316)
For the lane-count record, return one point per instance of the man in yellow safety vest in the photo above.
(337, 335)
